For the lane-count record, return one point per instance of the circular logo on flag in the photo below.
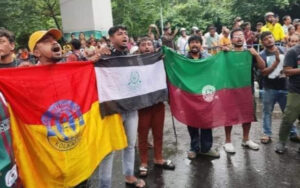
(134, 81)
(208, 93)
(64, 122)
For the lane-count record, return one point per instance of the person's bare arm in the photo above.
(260, 62)
(290, 71)
(266, 71)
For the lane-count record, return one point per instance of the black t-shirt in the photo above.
(292, 59)
(115, 52)
(278, 83)
(9, 65)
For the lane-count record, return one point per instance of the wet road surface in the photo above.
(246, 168)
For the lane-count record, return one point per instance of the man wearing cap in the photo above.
(182, 41)
(275, 28)
(45, 47)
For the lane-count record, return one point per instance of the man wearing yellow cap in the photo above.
(45, 47)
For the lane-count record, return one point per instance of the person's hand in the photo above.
(277, 53)
(26, 64)
(94, 58)
(275, 50)
(225, 48)
(103, 51)
(253, 51)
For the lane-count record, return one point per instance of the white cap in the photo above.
(195, 28)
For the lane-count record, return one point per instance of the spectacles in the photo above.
(238, 36)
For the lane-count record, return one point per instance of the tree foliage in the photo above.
(138, 14)
(23, 17)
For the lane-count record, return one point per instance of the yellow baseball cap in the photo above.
(38, 35)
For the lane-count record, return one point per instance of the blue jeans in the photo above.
(270, 98)
(105, 171)
(201, 142)
(130, 122)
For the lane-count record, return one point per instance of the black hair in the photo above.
(195, 38)
(76, 44)
(9, 35)
(297, 25)
(144, 39)
(243, 26)
(285, 17)
(259, 23)
(114, 29)
(264, 34)
(212, 27)
(235, 30)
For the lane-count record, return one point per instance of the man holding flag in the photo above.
(205, 139)
(119, 39)
(237, 40)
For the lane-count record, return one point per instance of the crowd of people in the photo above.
(279, 45)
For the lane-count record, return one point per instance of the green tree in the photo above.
(25, 17)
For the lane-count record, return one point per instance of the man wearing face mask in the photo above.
(45, 47)
(201, 139)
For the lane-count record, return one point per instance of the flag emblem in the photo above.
(134, 81)
(64, 122)
(208, 93)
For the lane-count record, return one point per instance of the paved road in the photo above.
(246, 168)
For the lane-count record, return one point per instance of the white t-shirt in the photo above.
(182, 44)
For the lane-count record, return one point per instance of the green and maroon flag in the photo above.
(210, 92)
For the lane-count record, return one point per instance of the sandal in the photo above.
(167, 165)
(265, 139)
(143, 171)
(136, 183)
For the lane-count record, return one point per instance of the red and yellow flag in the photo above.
(58, 134)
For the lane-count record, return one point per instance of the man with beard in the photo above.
(237, 40)
(275, 28)
(274, 86)
(119, 39)
(151, 118)
(45, 47)
(292, 111)
(201, 139)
